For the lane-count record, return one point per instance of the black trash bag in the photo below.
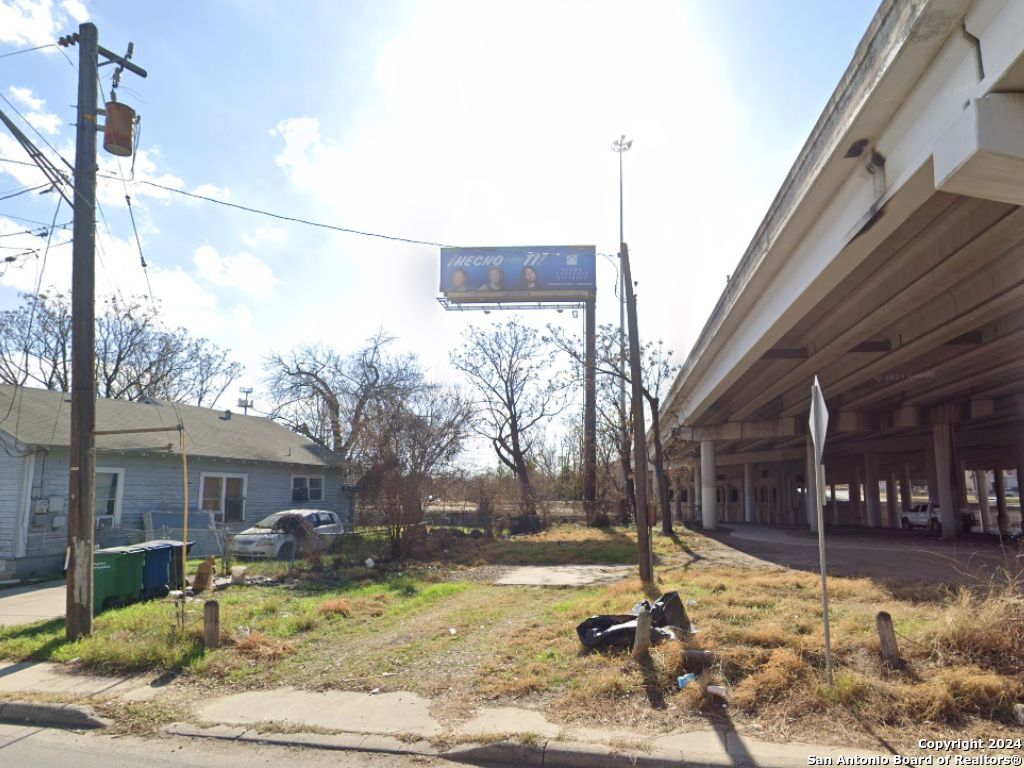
(668, 611)
(614, 631)
(619, 630)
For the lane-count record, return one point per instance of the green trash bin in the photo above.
(117, 576)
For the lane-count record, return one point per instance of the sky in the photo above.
(452, 121)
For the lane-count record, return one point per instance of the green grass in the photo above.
(146, 636)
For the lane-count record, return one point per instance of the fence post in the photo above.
(211, 624)
(887, 640)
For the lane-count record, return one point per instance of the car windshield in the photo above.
(270, 520)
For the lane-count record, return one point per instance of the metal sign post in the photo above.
(818, 423)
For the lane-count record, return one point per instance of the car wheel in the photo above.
(936, 527)
(286, 552)
(905, 524)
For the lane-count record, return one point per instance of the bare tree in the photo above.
(136, 358)
(657, 371)
(326, 395)
(410, 440)
(512, 368)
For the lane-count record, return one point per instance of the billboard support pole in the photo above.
(643, 519)
(590, 414)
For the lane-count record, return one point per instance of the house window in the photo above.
(223, 495)
(307, 488)
(109, 492)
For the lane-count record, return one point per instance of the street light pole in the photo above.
(621, 146)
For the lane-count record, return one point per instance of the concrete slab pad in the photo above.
(391, 714)
(43, 677)
(508, 720)
(564, 575)
(26, 605)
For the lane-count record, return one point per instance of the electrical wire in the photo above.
(29, 50)
(31, 320)
(295, 219)
(36, 132)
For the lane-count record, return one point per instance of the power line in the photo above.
(31, 320)
(260, 211)
(28, 50)
(295, 219)
(36, 132)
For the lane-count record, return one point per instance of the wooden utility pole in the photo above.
(82, 482)
(643, 531)
(82, 475)
(590, 413)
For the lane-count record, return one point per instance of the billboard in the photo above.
(519, 273)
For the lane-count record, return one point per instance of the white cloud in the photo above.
(76, 10)
(38, 22)
(47, 122)
(260, 237)
(242, 271)
(212, 190)
(494, 125)
(26, 98)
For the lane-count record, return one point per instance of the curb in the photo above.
(545, 754)
(344, 742)
(71, 716)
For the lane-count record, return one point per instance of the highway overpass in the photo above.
(891, 266)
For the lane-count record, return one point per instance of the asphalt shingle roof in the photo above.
(40, 417)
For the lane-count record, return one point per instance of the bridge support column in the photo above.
(835, 505)
(856, 508)
(748, 493)
(906, 489)
(709, 486)
(1001, 517)
(871, 494)
(942, 439)
(981, 488)
(698, 493)
(891, 502)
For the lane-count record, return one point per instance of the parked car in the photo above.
(928, 516)
(279, 535)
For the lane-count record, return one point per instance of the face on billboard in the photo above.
(529, 273)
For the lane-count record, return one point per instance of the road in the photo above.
(28, 747)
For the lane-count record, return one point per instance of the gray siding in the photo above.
(153, 483)
(12, 473)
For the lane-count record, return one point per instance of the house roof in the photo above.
(42, 418)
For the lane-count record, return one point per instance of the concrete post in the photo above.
(942, 442)
(698, 493)
(871, 494)
(906, 489)
(1001, 517)
(981, 487)
(835, 505)
(811, 495)
(709, 484)
(748, 493)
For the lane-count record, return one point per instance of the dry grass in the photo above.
(262, 647)
(963, 652)
(337, 606)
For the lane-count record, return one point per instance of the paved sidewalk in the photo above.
(43, 677)
(25, 605)
(401, 722)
